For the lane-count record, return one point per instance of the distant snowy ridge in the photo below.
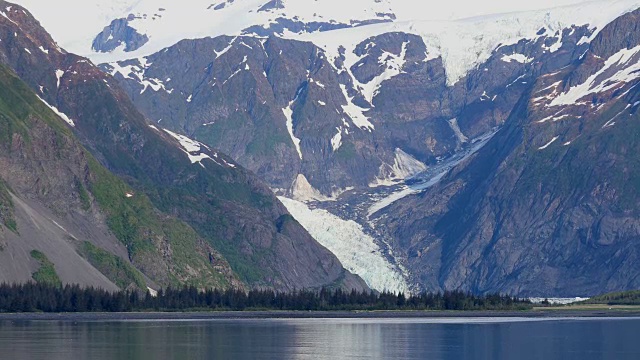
(466, 43)
(462, 44)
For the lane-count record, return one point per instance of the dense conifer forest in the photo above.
(32, 297)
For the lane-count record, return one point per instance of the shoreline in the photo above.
(266, 315)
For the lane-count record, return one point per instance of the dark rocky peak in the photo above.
(31, 52)
(272, 5)
(221, 5)
(588, 88)
(282, 25)
(18, 18)
(119, 33)
(621, 34)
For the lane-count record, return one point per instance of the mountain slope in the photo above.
(549, 206)
(479, 153)
(349, 112)
(347, 115)
(57, 200)
(302, 109)
(228, 207)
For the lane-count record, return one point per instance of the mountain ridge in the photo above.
(463, 154)
(213, 198)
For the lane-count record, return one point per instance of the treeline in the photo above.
(617, 298)
(32, 297)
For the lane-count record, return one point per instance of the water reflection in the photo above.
(322, 339)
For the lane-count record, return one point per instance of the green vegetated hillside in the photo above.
(46, 273)
(70, 182)
(228, 206)
(6, 208)
(182, 220)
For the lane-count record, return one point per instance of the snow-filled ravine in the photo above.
(357, 251)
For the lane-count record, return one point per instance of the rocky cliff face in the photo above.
(519, 216)
(312, 124)
(549, 206)
(229, 208)
(349, 125)
(119, 34)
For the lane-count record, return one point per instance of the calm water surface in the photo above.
(521, 339)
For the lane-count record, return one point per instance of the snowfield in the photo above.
(461, 42)
(465, 43)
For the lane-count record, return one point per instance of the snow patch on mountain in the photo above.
(336, 141)
(549, 143)
(404, 166)
(517, 58)
(393, 65)
(355, 112)
(288, 114)
(194, 150)
(59, 75)
(186, 143)
(137, 72)
(624, 65)
(60, 114)
(356, 250)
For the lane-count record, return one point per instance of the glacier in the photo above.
(357, 251)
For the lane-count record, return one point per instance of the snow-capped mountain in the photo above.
(166, 22)
(356, 111)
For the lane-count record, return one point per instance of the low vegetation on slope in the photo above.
(114, 268)
(617, 298)
(165, 249)
(6, 209)
(146, 233)
(46, 274)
